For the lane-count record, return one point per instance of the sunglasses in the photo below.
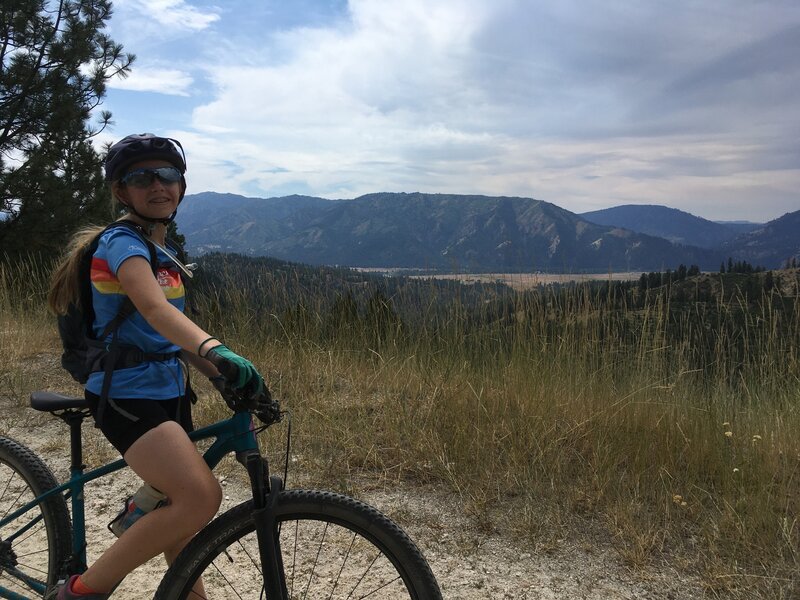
(142, 178)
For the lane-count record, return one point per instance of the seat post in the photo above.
(74, 418)
(72, 411)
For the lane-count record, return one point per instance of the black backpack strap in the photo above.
(113, 351)
(111, 359)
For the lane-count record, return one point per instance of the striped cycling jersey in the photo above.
(153, 380)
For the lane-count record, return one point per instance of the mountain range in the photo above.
(675, 225)
(461, 232)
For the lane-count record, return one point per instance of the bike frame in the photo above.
(236, 434)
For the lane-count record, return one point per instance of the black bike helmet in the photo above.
(142, 146)
(145, 146)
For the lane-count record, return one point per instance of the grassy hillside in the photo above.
(669, 420)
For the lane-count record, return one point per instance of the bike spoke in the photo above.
(316, 560)
(344, 562)
(331, 547)
(35, 543)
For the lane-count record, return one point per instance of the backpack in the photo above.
(83, 354)
(75, 327)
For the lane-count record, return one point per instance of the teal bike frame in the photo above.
(236, 434)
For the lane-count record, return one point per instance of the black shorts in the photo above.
(126, 420)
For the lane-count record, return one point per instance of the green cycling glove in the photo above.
(239, 371)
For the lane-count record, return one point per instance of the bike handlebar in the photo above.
(267, 409)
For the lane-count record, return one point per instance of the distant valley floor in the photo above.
(520, 281)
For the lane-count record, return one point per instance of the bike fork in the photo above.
(269, 546)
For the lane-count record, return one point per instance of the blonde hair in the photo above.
(64, 281)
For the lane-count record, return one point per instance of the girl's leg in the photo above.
(165, 458)
(170, 554)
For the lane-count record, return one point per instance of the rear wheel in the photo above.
(332, 547)
(34, 545)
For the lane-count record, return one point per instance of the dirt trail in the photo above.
(468, 564)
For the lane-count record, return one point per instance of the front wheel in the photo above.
(332, 547)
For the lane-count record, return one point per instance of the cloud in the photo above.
(171, 82)
(577, 103)
(174, 14)
(376, 90)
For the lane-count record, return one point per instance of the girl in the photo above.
(144, 409)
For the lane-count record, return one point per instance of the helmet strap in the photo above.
(151, 222)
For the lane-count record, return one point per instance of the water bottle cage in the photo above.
(129, 515)
(113, 526)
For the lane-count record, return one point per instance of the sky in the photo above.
(692, 104)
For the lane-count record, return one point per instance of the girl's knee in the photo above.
(200, 504)
(213, 497)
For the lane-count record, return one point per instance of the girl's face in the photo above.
(152, 187)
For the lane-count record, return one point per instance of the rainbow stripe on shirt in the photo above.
(105, 282)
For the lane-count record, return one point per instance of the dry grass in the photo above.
(560, 417)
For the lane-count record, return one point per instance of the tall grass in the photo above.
(673, 427)
(27, 335)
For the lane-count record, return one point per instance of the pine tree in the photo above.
(55, 61)
(769, 281)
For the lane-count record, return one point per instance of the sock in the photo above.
(80, 588)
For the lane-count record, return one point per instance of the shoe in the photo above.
(62, 591)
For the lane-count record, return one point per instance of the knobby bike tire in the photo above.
(332, 547)
(36, 544)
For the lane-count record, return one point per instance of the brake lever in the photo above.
(265, 407)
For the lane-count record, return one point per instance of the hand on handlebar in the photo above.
(237, 370)
(241, 385)
(262, 405)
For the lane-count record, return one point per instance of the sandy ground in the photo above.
(468, 563)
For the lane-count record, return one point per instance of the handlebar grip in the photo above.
(262, 405)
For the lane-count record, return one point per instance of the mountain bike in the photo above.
(282, 544)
